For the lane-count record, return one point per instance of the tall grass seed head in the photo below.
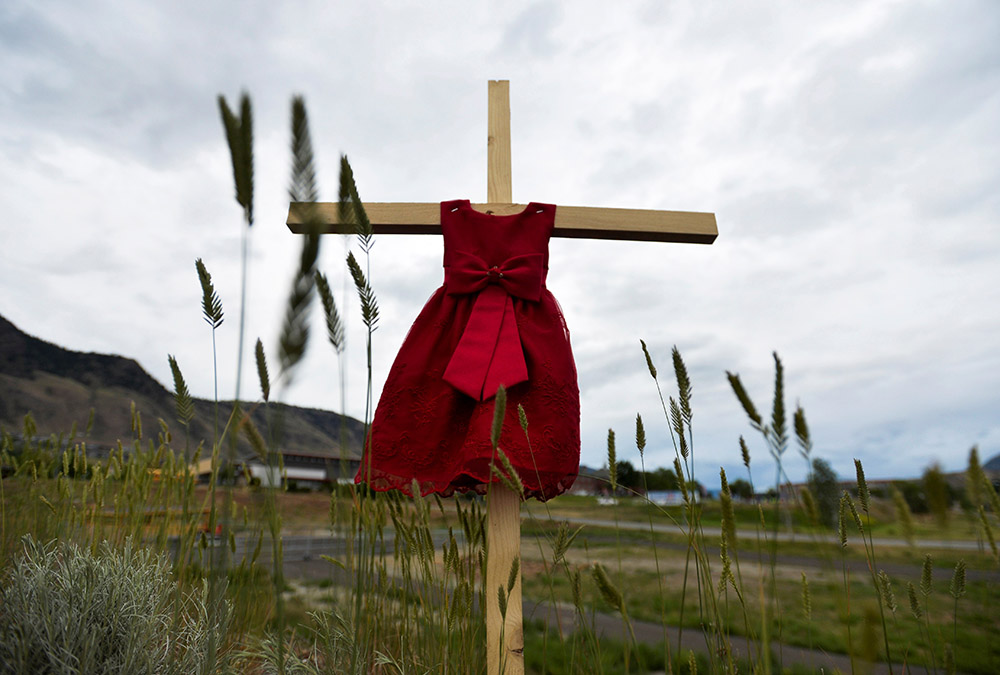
(211, 305)
(334, 324)
(745, 453)
(649, 359)
(863, 494)
(514, 574)
(350, 198)
(741, 395)
(854, 514)
(806, 598)
(612, 461)
(926, 575)
(677, 419)
(256, 440)
(563, 541)
(726, 563)
(911, 593)
(182, 395)
(576, 585)
(239, 135)
(509, 476)
(885, 587)
(726, 504)
(778, 406)
(30, 429)
(369, 304)
(957, 587)
(802, 431)
(608, 590)
(345, 215)
(640, 435)
(681, 481)
(302, 187)
(683, 384)
(502, 601)
(262, 374)
(499, 411)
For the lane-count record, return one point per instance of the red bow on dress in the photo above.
(489, 352)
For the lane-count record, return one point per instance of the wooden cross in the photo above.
(504, 638)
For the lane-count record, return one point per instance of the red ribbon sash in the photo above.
(489, 353)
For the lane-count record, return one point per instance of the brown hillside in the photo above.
(59, 388)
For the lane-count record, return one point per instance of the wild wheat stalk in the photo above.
(957, 590)
(675, 419)
(864, 496)
(613, 474)
(845, 499)
(640, 443)
(776, 437)
(239, 136)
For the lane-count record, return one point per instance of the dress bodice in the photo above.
(495, 238)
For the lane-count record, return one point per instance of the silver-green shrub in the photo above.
(64, 609)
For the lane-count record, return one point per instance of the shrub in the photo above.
(913, 493)
(938, 495)
(64, 609)
(825, 490)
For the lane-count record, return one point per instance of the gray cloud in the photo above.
(849, 153)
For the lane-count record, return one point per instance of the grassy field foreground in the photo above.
(416, 565)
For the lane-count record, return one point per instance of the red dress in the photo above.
(492, 322)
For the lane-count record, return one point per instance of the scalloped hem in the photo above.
(551, 485)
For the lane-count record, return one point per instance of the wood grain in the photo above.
(504, 634)
(583, 222)
(499, 186)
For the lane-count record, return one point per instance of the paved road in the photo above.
(311, 546)
(895, 570)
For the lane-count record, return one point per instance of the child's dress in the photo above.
(493, 322)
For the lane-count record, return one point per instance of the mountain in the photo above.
(993, 464)
(60, 387)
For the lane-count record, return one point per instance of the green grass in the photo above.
(826, 630)
(133, 505)
(884, 523)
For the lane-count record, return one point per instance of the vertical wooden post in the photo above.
(499, 188)
(504, 634)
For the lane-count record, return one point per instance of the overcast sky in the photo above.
(851, 152)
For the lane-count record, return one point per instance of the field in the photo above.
(368, 581)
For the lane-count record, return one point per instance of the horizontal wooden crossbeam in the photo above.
(581, 222)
